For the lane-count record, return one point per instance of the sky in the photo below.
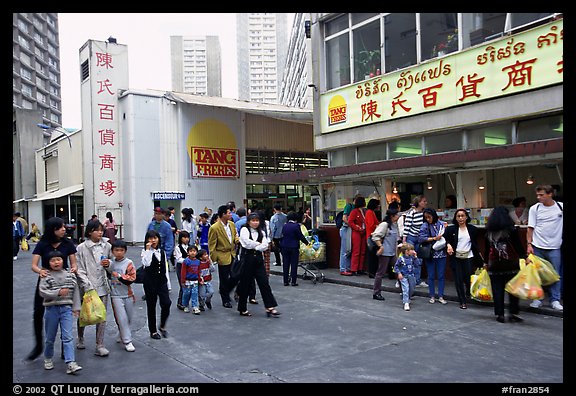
(147, 36)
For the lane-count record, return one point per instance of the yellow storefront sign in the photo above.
(518, 63)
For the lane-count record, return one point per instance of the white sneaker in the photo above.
(536, 304)
(442, 301)
(15, 258)
(432, 300)
(186, 309)
(72, 367)
(556, 305)
(129, 347)
(406, 307)
(48, 364)
(422, 284)
(397, 284)
(196, 311)
(101, 351)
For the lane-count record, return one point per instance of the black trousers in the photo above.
(499, 281)
(225, 284)
(254, 269)
(16, 245)
(157, 289)
(372, 259)
(178, 270)
(290, 265)
(276, 250)
(462, 270)
(38, 316)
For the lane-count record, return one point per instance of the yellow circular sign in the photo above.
(212, 134)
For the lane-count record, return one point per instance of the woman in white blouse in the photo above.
(462, 248)
(254, 242)
(519, 213)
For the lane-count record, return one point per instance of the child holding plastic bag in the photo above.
(503, 251)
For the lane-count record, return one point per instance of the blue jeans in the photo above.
(417, 269)
(55, 315)
(190, 292)
(408, 283)
(436, 265)
(555, 258)
(344, 259)
(206, 291)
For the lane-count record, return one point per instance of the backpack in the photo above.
(339, 219)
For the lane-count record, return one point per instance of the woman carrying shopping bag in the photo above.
(503, 250)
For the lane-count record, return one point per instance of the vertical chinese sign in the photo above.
(108, 76)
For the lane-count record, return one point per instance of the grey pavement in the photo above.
(329, 332)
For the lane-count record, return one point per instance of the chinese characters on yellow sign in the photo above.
(529, 60)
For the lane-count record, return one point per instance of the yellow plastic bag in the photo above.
(24, 245)
(480, 286)
(546, 271)
(526, 285)
(93, 310)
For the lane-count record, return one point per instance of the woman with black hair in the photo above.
(155, 283)
(53, 238)
(254, 242)
(385, 238)
(110, 227)
(431, 231)
(503, 250)
(462, 245)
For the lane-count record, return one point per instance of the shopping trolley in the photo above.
(311, 256)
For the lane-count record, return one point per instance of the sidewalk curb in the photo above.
(330, 278)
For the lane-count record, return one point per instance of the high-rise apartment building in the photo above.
(294, 89)
(262, 45)
(196, 65)
(36, 65)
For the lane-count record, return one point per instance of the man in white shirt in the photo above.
(544, 237)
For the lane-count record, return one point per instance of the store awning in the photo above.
(59, 193)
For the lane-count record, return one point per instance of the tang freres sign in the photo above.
(517, 63)
(215, 162)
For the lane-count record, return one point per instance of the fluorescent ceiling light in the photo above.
(408, 150)
(497, 141)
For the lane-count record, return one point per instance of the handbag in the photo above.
(439, 244)
(460, 254)
(24, 245)
(93, 310)
(237, 266)
(425, 251)
(140, 275)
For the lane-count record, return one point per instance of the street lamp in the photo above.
(48, 130)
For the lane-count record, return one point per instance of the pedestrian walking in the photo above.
(345, 239)
(61, 295)
(122, 274)
(154, 260)
(503, 251)
(385, 237)
(462, 247)
(189, 280)
(205, 287)
(110, 227)
(253, 242)
(180, 254)
(164, 229)
(290, 247)
(53, 238)
(94, 256)
(357, 223)
(405, 267)
(17, 234)
(544, 238)
(412, 223)
(431, 231)
(222, 239)
(277, 222)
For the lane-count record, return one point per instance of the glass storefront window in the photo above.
(343, 157)
(372, 152)
(492, 136)
(337, 62)
(367, 55)
(405, 148)
(399, 41)
(443, 142)
(541, 129)
(438, 34)
(362, 16)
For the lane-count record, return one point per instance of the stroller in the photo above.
(310, 259)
